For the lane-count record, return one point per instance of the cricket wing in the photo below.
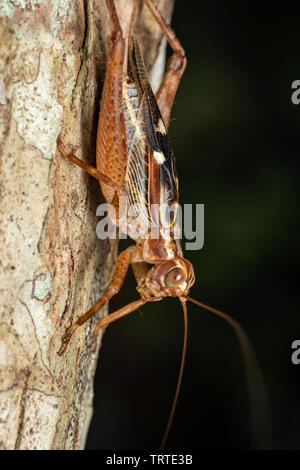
(151, 180)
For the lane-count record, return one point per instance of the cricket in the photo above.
(135, 160)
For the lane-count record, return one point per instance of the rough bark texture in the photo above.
(52, 266)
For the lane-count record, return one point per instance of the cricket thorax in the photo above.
(161, 249)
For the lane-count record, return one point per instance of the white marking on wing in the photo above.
(159, 157)
(161, 127)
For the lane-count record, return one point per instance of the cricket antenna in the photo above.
(172, 412)
(259, 409)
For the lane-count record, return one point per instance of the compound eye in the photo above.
(175, 277)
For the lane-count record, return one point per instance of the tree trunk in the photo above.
(52, 266)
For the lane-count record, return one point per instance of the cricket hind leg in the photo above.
(175, 67)
(86, 167)
(111, 148)
(121, 268)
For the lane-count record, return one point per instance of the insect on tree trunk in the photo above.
(52, 266)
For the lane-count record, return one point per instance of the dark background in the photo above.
(236, 137)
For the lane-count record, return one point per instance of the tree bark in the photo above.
(52, 266)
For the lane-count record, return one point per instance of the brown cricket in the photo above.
(135, 160)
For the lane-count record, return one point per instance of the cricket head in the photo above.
(171, 278)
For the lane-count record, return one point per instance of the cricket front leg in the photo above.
(175, 67)
(140, 271)
(129, 308)
(123, 262)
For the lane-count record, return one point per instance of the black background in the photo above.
(236, 137)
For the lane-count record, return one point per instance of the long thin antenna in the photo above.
(171, 416)
(259, 416)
